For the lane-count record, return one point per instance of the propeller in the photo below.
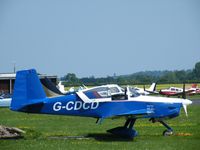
(185, 109)
(185, 101)
(144, 87)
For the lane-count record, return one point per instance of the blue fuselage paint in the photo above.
(73, 105)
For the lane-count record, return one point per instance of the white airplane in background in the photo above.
(150, 90)
(108, 89)
(5, 100)
(195, 89)
(175, 91)
(61, 88)
(171, 91)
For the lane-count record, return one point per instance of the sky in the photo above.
(99, 37)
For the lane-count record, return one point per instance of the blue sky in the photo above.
(99, 37)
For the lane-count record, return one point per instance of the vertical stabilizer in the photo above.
(27, 89)
(194, 85)
(152, 87)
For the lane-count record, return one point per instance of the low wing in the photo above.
(133, 114)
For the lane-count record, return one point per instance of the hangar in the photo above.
(7, 81)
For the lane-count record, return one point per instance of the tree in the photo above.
(197, 70)
(169, 77)
(71, 78)
(181, 75)
(144, 77)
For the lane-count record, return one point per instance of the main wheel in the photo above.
(167, 132)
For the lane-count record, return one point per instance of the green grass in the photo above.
(40, 127)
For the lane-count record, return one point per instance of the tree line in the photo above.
(144, 77)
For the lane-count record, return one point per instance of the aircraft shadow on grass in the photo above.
(107, 137)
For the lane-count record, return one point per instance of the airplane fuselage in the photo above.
(145, 106)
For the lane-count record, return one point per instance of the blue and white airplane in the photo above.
(30, 97)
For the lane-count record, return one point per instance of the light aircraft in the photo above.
(144, 91)
(174, 91)
(61, 87)
(30, 97)
(5, 100)
(195, 90)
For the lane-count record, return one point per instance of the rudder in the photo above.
(27, 88)
(152, 87)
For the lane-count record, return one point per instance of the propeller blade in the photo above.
(144, 87)
(185, 109)
(186, 102)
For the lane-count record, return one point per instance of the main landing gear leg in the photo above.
(125, 131)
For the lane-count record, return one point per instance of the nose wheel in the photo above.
(168, 131)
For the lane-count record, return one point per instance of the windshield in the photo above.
(103, 91)
(98, 92)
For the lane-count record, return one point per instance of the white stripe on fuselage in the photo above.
(156, 99)
(144, 99)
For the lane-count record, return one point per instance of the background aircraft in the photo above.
(30, 97)
(144, 91)
(174, 91)
(5, 100)
(61, 87)
(195, 90)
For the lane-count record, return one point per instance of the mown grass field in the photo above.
(39, 129)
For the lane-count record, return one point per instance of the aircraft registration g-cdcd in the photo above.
(30, 97)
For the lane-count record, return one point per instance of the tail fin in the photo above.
(152, 87)
(27, 89)
(194, 85)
